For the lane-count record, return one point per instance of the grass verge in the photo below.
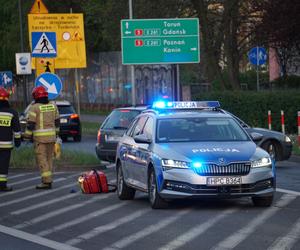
(24, 158)
(90, 128)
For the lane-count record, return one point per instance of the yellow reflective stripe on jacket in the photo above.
(3, 178)
(44, 132)
(6, 114)
(6, 144)
(47, 108)
(17, 135)
(28, 132)
(46, 174)
(5, 121)
(41, 121)
(32, 113)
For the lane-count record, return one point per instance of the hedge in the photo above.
(252, 107)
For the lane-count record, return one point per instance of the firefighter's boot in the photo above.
(44, 186)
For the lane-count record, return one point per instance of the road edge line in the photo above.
(281, 190)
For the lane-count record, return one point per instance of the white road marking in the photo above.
(27, 188)
(233, 240)
(57, 212)
(38, 194)
(287, 241)
(10, 177)
(82, 219)
(195, 232)
(25, 180)
(288, 191)
(35, 239)
(43, 204)
(104, 228)
(146, 231)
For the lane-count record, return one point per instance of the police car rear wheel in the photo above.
(155, 200)
(262, 201)
(124, 192)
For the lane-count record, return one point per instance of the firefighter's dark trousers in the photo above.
(4, 164)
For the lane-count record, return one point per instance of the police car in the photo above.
(192, 149)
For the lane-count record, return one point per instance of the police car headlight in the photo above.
(263, 162)
(174, 164)
(287, 139)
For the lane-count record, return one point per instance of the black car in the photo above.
(277, 144)
(70, 125)
(112, 129)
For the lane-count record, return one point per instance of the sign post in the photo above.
(160, 41)
(257, 56)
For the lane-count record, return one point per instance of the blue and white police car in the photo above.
(192, 149)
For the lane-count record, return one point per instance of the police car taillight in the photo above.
(98, 136)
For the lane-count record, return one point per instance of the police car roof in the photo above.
(62, 103)
(139, 108)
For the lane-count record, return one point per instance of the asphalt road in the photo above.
(64, 218)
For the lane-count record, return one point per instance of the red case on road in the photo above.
(93, 181)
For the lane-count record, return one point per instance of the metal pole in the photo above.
(133, 97)
(77, 87)
(22, 50)
(178, 83)
(257, 73)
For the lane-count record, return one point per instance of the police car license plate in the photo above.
(63, 120)
(220, 181)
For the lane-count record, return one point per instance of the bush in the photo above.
(252, 107)
(287, 82)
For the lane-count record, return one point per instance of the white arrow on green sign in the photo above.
(160, 41)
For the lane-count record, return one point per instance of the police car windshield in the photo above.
(199, 129)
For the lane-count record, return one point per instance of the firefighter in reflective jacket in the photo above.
(10, 135)
(43, 127)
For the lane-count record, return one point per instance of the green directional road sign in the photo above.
(160, 41)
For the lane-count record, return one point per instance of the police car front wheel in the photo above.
(155, 200)
(124, 192)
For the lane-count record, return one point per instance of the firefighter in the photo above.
(43, 128)
(10, 135)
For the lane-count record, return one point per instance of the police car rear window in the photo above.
(199, 129)
(120, 119)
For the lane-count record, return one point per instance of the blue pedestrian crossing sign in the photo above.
(43, 44)
(51, 82)
(6, 79)
(257, 56)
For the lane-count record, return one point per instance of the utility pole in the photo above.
(22, 50)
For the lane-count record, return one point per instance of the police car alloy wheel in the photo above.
(155, 200)
(124, 192)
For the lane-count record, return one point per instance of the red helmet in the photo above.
(39, 92)
(4, 95)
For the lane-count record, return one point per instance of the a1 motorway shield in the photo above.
(257, 56)
(51, 82)
(160, 41)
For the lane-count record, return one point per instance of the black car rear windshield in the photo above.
(66, 109)
(199, 129)
(120, 119)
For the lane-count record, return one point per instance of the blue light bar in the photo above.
(186, 105)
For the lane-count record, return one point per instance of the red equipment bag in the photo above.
(95, 181)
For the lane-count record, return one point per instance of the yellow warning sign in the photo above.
(38, 8)
(44, 65)
(71, 52)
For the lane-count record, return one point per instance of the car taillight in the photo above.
(74, 116)
(98, 136)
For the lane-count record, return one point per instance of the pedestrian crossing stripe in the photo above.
(43, 44)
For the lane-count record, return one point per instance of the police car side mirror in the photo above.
(256, 137)
(142, 139)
